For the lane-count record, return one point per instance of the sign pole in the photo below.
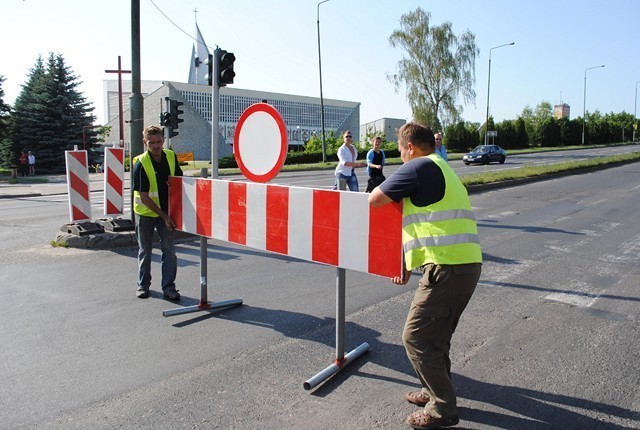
(215, 114)
(205, 304)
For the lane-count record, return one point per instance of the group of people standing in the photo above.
(27, 163)
(348, 154)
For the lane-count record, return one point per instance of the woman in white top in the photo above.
(347, 155)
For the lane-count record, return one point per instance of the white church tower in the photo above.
(199, 53)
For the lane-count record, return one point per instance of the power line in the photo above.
(176, 25)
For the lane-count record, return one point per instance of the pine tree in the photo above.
(50, 113)
(8, 154)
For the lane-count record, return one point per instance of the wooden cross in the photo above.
(119, 71)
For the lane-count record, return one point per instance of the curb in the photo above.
(111, 239)
(17, 196)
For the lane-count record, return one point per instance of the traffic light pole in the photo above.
(215, 114)
(205, 304)
(167, 128)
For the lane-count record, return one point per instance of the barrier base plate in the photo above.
(116, 224)
(82, 229)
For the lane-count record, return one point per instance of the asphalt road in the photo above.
(549, 340)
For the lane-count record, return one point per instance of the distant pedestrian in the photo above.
(375, 164)
(347, 155)
(24, 163)
(32, 163)
(440, 148)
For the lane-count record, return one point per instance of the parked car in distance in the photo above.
(485, 154)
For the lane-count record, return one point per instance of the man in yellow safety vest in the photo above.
(440, 237)
(151, 171)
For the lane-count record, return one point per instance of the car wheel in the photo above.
(467, 163)
(486, 159)
(502, 159)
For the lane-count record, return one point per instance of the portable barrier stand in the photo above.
(205, 304)
(114, 192)
(79, 197)
(336, 228)
(341, 359)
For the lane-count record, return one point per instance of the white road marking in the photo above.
(577, 295)
(629, 252)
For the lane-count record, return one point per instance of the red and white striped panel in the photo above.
(113, 181)
(78, 185)
(337, 228)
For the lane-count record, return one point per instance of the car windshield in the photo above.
(481, 149)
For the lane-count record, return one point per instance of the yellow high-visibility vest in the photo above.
(444, 232)
(147, 165)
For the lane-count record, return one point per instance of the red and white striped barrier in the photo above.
(113, 181)
(337, 228)
(78, 185)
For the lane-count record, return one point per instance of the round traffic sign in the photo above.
(260, 142)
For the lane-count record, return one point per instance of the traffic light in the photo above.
(165, 119)
(225, 67)
(209, 75)
(175, 112)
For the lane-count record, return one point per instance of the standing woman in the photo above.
(347, 155)
(32, 163)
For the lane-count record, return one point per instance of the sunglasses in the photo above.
(348, 136)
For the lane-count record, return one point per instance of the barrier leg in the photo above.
(205, 304)
(341, 359)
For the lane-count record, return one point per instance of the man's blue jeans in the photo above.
(352, 181)
(145, 227)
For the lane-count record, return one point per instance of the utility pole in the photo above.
(136, 101)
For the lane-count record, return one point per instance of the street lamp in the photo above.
(486, 124)
(324, 151)
(635, 121)
(584, 102)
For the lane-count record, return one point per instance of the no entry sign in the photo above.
(260, 142)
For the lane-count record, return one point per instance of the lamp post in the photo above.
(486, 124)
(584, 101)
(635, 121)
(324, 151)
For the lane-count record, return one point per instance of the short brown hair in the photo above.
(152, 130)
(419, 135)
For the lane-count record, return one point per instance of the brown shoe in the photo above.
(421, 420)
(417, 398)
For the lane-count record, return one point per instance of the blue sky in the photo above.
(276, 46)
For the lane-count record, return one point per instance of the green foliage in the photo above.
(50, 114)
(507, 135)
(438, 66)
(331, 141)
(461, 137)
(8, 152)
(522, 137)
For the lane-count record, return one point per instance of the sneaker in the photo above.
(417, 398)
(142, 293)
(171, 294)
(421, 420)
